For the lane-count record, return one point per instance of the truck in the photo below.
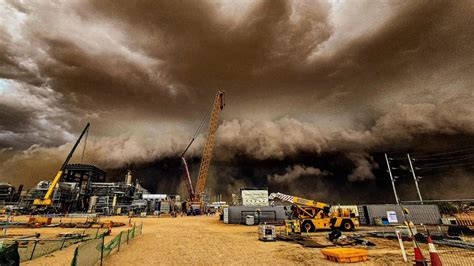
(313, 215)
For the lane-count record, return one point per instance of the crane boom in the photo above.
(218, 105)
(314, 215)
(298, 200)
(46, 201)
(188, 180)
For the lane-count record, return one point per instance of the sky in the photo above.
(307, 83)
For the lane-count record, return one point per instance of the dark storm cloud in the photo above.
(301, 76)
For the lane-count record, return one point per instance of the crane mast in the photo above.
(218, 105)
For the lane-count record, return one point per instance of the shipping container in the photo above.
(269, 214)
(419, 214)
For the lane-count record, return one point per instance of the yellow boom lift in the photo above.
(196, 196)
(47, 201)
(313, 215)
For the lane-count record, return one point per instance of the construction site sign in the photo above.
(392, 217)
(255, 197)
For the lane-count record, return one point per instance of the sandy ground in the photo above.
(61, 257)
(207, 241)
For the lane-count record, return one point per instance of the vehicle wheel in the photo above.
(307, 225)
(347, 225)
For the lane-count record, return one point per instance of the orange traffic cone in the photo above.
(419, 259)
(434, 257)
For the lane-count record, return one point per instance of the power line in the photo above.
(448, 161)
(444, 153)
(450, 165)
(444, 158)
(441, 172)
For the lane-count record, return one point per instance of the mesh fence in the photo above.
(454, 247)
(29, 249)
(92, 252)
(88, 253)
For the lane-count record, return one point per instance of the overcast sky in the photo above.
(300, 76)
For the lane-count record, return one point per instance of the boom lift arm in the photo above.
(316, 215)
(46, 201)
(301, 203)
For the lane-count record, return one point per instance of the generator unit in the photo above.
(266, 232)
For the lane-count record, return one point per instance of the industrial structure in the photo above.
(81, 188)
(46, 200)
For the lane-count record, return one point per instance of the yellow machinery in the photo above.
(314, 215)
(292, 227)
(195, 196)
(47, 201)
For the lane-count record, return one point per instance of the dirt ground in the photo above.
(62, 257)
(205, 240)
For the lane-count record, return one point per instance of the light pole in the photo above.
(392, 179)
(415, 178)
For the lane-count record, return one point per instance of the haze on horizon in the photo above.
(307, 83)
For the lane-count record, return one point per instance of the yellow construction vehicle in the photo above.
(196, 196)
(314, 215)
(47, 201)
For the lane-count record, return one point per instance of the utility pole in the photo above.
(415, 178)
(393, 180)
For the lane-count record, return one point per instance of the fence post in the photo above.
(120, 241)
(62, 245)
(97, 233)
(102, 250)
(33, 251)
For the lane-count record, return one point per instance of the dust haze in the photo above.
(316, 91)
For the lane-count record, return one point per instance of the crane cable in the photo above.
(198, 130)
(203, 121)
